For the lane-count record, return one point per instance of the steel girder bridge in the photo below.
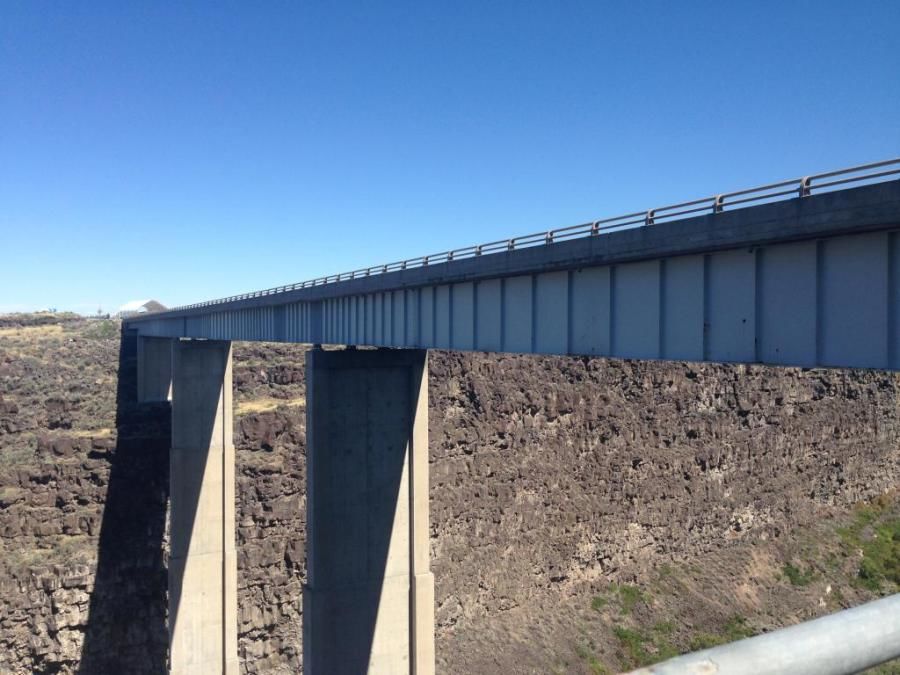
(803, 272)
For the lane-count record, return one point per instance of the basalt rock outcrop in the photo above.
(551, 479)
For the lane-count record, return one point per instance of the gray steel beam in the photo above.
(812, 282)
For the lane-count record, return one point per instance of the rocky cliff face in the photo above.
(557, 479)
(572, 500)
(270, 439)
(83, 493)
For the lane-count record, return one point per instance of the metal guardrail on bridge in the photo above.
(794, 188)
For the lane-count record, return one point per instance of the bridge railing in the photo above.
(794, 188)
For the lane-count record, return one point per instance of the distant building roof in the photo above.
(140, 307)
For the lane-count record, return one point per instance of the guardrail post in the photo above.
(718, 204)
(805, 186)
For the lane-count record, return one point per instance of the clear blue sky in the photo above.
(184, 151)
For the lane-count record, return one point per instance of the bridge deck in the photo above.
(809, 281)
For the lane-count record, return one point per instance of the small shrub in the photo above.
(735, 628)
(626, 596)
(643, 649)
(596, 667)
(664, 628)
(880, 564)
(17, 455)
(632, 644)
(629, 596)
(102, 329)
(796, 576)
(593, 663)
(878, 539)
(705, 641)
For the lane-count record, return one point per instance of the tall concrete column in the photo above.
(202, 564)
(368, 605)
(154, 369)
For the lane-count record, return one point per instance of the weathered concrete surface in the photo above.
(369, 599)
(154, 369)
(202, 557)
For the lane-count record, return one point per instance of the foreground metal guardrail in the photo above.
(845, 642)
(797, 187)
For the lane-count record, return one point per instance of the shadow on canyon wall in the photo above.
(126, 630)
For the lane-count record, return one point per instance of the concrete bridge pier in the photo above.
(154, 369)
(202, 563)
(368, 606)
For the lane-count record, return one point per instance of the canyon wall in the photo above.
(553, 480)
